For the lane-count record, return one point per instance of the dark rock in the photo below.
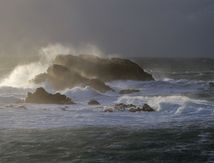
(128, 91)
(123, 107)
(211, 84)
(147, 108)
(104, 69)
(120, 107)
(93, 102)
(40, 96)
(61, 77)
(133, 108)
(68, 71)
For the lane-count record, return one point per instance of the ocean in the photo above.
(181, 129)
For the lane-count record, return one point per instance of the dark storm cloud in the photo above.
(128, 27)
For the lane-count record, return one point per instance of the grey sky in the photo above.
(127, 27)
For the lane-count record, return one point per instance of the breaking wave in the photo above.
(22, 74)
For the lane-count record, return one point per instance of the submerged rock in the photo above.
(128, 91)
(68, 71)
(93, 102)
(40, 96)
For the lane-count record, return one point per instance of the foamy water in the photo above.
(170, 108)
(175, 100)
(180, 130)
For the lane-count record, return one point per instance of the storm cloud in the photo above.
(147, 28)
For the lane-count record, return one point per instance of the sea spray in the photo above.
(21, 76)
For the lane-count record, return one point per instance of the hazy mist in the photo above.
(154, 28)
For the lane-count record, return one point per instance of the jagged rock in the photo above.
(128, 91)
(61, 77)
(121, 106)
(147, 108)
(68, 71)
(93, 102)
(40, 96)
(133, 108)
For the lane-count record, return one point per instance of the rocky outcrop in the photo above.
(128, 91)
(130, 108)
(93, 102)
(69, 71)
(61, 77)
(103, 68)
(145, 108)
(40, 96)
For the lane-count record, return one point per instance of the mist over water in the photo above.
(182, 126)
(22, 74)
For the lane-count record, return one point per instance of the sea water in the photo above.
(181, 129)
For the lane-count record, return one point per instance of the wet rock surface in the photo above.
(130, 108)
(93, 102)
(40, 96)
(68, 71)
(129, 91)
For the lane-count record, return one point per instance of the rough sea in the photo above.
(181, 129)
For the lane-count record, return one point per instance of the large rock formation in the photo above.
(40, 96)
(103, 68)
(69, 71)
(60, 77)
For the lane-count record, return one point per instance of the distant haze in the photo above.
(146, 28)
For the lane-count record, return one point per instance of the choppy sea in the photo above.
(181, 129)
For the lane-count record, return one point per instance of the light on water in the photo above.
(181, 129)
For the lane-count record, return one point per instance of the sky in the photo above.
(144, 28)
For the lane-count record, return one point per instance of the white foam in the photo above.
(22, 74)
(180, 102)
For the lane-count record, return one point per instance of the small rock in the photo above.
(93, 102)
(147, 108)
(40, 96)
(128, 91)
